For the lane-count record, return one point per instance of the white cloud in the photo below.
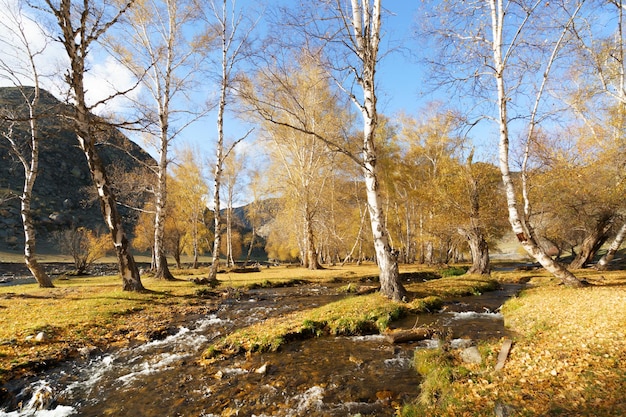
(17, 31)
(103, 79)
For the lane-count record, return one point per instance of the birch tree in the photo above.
(23, 51)
(603, 71)
(228, 25)
(502, 53)
(497, 53)
(80, 26)
(346, 35)
(157, 45)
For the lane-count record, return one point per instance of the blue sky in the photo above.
(401, 80)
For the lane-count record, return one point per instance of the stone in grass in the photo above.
(262, 369)
(41, 337)
(471, 355)
(504, 410)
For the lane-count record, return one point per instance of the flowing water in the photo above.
(325, 376)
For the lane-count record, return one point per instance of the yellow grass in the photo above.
(94, 311)
(569, 358)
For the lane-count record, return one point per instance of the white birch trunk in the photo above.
(76, 42)
(366, 26)
(229, 230)
(603, 263)
(217, 220)
(31, 166)
(162, 269)
(30, 175)
(523, 235)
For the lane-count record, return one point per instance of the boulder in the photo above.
(471, 355)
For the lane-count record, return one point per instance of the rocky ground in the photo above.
(12, 273)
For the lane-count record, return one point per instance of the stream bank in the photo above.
(321, 376)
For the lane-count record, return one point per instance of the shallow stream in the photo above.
(325, 376)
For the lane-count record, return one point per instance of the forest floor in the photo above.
(568, 358)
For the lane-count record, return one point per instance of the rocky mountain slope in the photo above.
(61, 196)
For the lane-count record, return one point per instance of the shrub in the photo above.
(83, 245)
(453, 271)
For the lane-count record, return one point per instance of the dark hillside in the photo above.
(61, 193)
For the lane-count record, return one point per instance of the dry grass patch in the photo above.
(283, 274)
(569, 360)
(82, 312)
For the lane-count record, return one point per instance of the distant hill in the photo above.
(61, 194)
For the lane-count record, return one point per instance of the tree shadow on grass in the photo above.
(10, 295)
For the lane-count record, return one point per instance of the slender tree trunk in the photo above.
(31, 168)
(366, 25)
(229, 232)
(311, 253)
(217, 184)
(36, 270)
(217, 241)
(30, 258)
(195, 243)
(251, 246)
(524, 236)
(604, 262)
(162, 269)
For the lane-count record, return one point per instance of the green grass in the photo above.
(354, 315)
(453, 271)
(435, 366)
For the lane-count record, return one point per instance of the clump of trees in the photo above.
(347, 182)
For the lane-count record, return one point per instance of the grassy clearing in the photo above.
(83, 312)
(568, 360)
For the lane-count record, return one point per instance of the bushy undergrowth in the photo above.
(453, 271)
